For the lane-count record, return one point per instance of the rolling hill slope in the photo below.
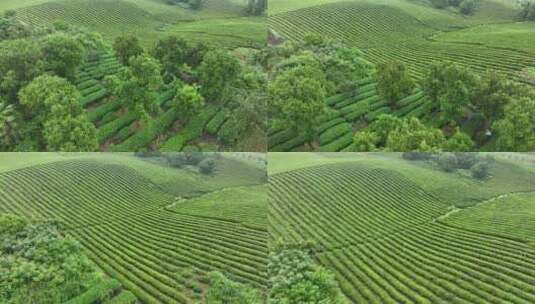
(115, 208)
(384, 235)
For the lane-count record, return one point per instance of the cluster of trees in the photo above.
(528, 11)
(257, 7)
(303, 74)
(492, 102)
(466, 7)
(39, 265)
(39, 107)
(193, 4)
(294, 277)
(222, 290)
(392, 133)
(478, 165)
(205, 162)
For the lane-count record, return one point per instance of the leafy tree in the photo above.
(516, 131)
(452, 87)
(447, 162)
(225, 291)
(58, 122)
(459, 142)
(138, 86)
(466, 160)
(365, 141)
(20, 62)
(412, 135)
(171, 52)
(187, 100)
(393, 81)
(217, 73)
(480, 170)
(344, 66)
(62, 54)
(127, 47)
(467, 7)
(528, 11)
(11, 28)
(39, 265)
(195, 4)
(296, 97)
(383, 125)
(295, 278)
(9, 126)
(207, 166)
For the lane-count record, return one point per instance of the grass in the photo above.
(377, 222)
(114, 205)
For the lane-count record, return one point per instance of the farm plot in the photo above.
(386, 32)
(118, 215)
(378, 232)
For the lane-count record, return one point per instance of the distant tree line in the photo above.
(478, 165)
(528, 11)
(466, 7)
(193, 4)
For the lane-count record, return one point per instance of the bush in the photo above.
(480, 170)
(207, 166)
(466, 160)
(447, 162)
(467, 7)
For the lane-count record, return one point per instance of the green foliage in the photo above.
(516, 131)
(20, 62)
(480, 170)
(467, 7)
(9, 125)
(365, 141)
(62, 54)
(171, 52)
(295, 278)
(447, 162)
(11, 28)
(39, 265)
(459, 142)
(187, 100)
(440, 3)
(127, 47)
(528, 11)
(412, 135)
(296, 96)
(257, 7)
(393, 81)
(138, 86)
(452, 87)
(217, 73)
(225, 291)
(58, 122)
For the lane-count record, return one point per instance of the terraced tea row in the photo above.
(345, 204)
(119, 217)
(384, 238)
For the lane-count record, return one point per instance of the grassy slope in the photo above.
(454, 188)
(103, 196)
(149, 19)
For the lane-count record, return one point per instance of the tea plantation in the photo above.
(121, 211)
(392, 237)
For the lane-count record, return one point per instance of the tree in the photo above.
(393, 81)
(20, 62)
(452, 87)
(207, 166)
(127, 47)
(296, 97)
(57, 120)
(256, 7)
(467, 7)
(11, 27)
(195, 4)
(412, 135)
(171, 52)
(62, 54)
(138, 86)
(365, 141)
(447, 162)
(295, 278)
(224, 291)
(466, 160)
(217, 72)
(187, 100)
(480, 170)
(383, 125)
(459, 142)
(9, 126)
(516, 130)
(528, 11)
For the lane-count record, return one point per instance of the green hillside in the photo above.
(375, 221)
(147, 19)
(115, 206)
